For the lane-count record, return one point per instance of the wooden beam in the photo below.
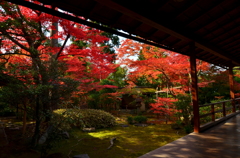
(95, 8)
(226, 35)
(225, 12)
(115, 19)
(172, 30)
(229, 43)
(234, 45)
(194, 89)
(88, 23)
(226, 22)
(138, 17)
(177, 12)
(179, 34)
(231, 83)
(201, 13)
(152, 33)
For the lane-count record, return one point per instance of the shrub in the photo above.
(184, 108)
(130, 120)
(65, 119)
(188, 129)
(140, 119)
(97, 118)
(6, 111)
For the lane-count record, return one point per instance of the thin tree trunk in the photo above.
(24, 119)
(17, 112)
(37, 125)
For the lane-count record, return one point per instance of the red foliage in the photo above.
(87, 64)
(164, 106)
(173, 69)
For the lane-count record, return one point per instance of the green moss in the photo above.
(131, 141)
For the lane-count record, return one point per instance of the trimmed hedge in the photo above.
(136, 119)
(65, 119)
(97, 118)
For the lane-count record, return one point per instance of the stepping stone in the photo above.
(14, 128)
(88, 129)
(81, 156)
(140, 125)
(66, 135)
(151, 123)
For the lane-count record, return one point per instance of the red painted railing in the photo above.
(214, 113)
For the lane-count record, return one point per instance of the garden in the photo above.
(132, 136)
(67, 89)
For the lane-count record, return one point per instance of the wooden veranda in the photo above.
(202, 29)
(220, 141)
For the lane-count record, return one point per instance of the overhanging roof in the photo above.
(213, 25)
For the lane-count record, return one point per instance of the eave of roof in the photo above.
(212, 26)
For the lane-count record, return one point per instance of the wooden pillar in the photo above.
(232, 95)
(194, 89)
(224, 109)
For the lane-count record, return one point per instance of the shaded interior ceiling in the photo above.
(212, 25)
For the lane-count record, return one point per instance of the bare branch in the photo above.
(5, 33)
(30, 42)
(42, 36)
(5, 54)
(60, 51)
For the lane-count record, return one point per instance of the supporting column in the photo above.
(194, 89)
(232, 95)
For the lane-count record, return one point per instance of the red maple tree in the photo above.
(50, 73)
(165, 69)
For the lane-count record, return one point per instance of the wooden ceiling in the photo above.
(212, 25)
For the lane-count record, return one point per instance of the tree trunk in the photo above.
(24, 119)
(17, 112)
(37, 125)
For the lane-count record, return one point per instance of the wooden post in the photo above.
(238, 104)
(224, 109)
(232, 95)
(194, 89)
(213, 112)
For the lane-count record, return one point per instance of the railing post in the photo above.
(213, 112)
(230, 71)
(238, 104)
(224, 109)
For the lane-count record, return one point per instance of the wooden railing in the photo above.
(214, 113)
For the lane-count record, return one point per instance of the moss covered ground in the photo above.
(131, 142)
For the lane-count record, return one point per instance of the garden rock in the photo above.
(176, 126)
(43, 138)
(81, 156)
(124, 125)
(151, 123)
(140, 125)
(66, 135)
(14, 128)
(92, 129)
